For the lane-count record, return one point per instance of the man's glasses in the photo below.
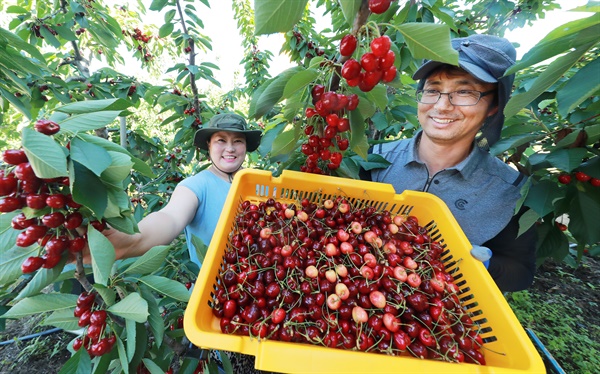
(457, 98)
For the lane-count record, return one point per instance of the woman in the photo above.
(197, 201)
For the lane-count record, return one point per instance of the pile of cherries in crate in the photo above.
(342, 276)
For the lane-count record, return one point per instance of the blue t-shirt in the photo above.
(211, 192)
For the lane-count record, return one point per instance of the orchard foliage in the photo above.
(119, 175)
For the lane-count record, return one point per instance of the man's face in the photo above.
(444, 123)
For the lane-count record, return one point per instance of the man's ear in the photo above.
(493, 111)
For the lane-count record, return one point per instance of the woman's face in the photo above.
(227, 150)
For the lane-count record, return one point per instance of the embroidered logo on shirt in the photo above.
(461, 204)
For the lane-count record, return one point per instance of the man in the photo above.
(460, 110)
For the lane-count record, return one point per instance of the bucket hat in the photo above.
(487, 58)
(227, 122)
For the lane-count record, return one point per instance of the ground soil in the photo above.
(44, 355)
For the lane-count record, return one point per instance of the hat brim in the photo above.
(426, 69)
(203, 135)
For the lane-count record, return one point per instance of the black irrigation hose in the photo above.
(31, 336)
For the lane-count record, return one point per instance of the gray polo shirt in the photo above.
(481, 191)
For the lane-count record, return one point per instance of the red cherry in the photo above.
(31, 264)
(381, 45)
(564, 178)
(595, 182)
(581, 176)
(24, 172)
(348, 45)
(14, 156)
(10, 204)
(56, 201)
(8, 184)
(369, 62)
(351, 69)
(379, 6)
(46, 127)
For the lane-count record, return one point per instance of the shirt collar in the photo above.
(466, 167)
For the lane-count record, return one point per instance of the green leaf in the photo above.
(547, 78)
(109, 295)
(264, 101)
(541, 197)
(152, 366)
(429, 41)
(272, 16)
(566, 159)
(299, 81)
(562, 39)
(91, 156)
(286, 140)
(167, 287)
(551, 242)
(79, 363)
(149, 261)
(350, 8)
(132, 307)
(47, 158)
(18, 104)
(158, 4)
(63, 319)
(578, 88)
(88, 121)
(583, 213)
(127, 225)
(41, 304)
(378, 96)
(166, 30)
(358, 139)
(118, 170)
(49, 37)
(19, 44)
(131, 328)
(11, 260)
(374, 161)
(155, 320)
(103, 255)
(93, 106)
(200, 247)
(88, 189)
(512, 142)
(123, 360)
(528, 219)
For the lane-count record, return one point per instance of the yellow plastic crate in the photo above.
(507, 348)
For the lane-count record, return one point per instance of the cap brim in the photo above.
(469, 67)
(203, 135)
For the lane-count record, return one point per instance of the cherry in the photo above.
(32, 264)
(56, 201)
(14, 156)
(351, 69)
(9, 204)
(47, 127)
(380, 46)
(24, 172)
(53, 220)
(379, 6)
(564, 179)
(582, 177)
(8, 184)
(348, 45)
(98, 317)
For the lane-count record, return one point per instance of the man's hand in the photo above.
(482, 254)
